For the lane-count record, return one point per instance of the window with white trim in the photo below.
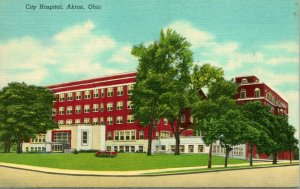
(95, 121)
(86, 121)
(69, 110)
(120, 120)
(257, 92)
(122, 137)
(78, 95)
(96, 93)
(78, 109)
(244, 81)
(84, 136)
(69, 122)
(120, 91)
(87, 108)
(70, 96)
(120, 105)
(102, 107)
(110, 106)
(109, 136)
(77, 121)
(60, 122)
(116, 134)
(129, 105)
(95, 107)
(130, 119)
(165, 121)
(109, 120)
(133, 133)
(183, 119)
(102, 93)
(191, 148)
(243, 93)
(110, 92)
(87, 94)
(101, 121)
(141, 134)
(61, 110)
(61, 97)
(53, 111)
(129, 89)
(164, 134)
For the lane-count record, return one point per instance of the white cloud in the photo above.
(282, 60)
(196, 37)
(75, 50)
(286, 46)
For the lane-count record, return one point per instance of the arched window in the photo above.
(244, 81)
(257, 92)
(243, 93)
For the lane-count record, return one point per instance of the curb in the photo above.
(143, 174)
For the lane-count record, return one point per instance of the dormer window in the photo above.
(243, 93)
(244, 81)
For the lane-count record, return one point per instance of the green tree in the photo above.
(163, 73)
(291, 142)
(25, 110)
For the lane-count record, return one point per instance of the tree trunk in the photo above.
(177, 144)
(19, 147)
(226, 157)
(290, 156)
(274, 158)
(209, 156)
(150, 140)
(251, 155)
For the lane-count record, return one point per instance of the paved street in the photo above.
(271, 177)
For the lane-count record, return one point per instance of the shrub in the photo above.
(75, 152)
(106, 154)
(88, 151)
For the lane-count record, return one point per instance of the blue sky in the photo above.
(254, 37)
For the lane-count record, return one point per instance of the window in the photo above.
(116, 135)
(109, 120)
(38, 138)
(244, 81)
(109, 136)
(77, 121)
(132, 148)
(53, 111)
(101, 107)
(87, 94)
(132, 135)
(172, 147)
(191, 148)
(165, 121)
(164, 134)
(130, 119)
(257, 92)
(110, 92)
(27, 149)
(127, 135)
(141, 148)
(183, 119)
(61, 110)
(115, 148)
(157, 135)
(141, 134)
(78, 95)
(84, 140)
(120, 105)
(129, 105)
(119, 119)
(163, 147)
(95, 107)
(61, 137)
(70, 96)
(96, 93)
(122, 135)
(243, 93)
(69, 121)
(101, 121)
(78, 109)
(61, 97)
(181, 148)
(69, 109)
(87, 108)
(109, 106)
(129, 89)
(108, 148)
(86, 121)
(102, 93)
(120, 91)
(95, 121)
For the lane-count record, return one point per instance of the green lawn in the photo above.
(123, 162)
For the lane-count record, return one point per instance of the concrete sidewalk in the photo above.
(117, 173)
